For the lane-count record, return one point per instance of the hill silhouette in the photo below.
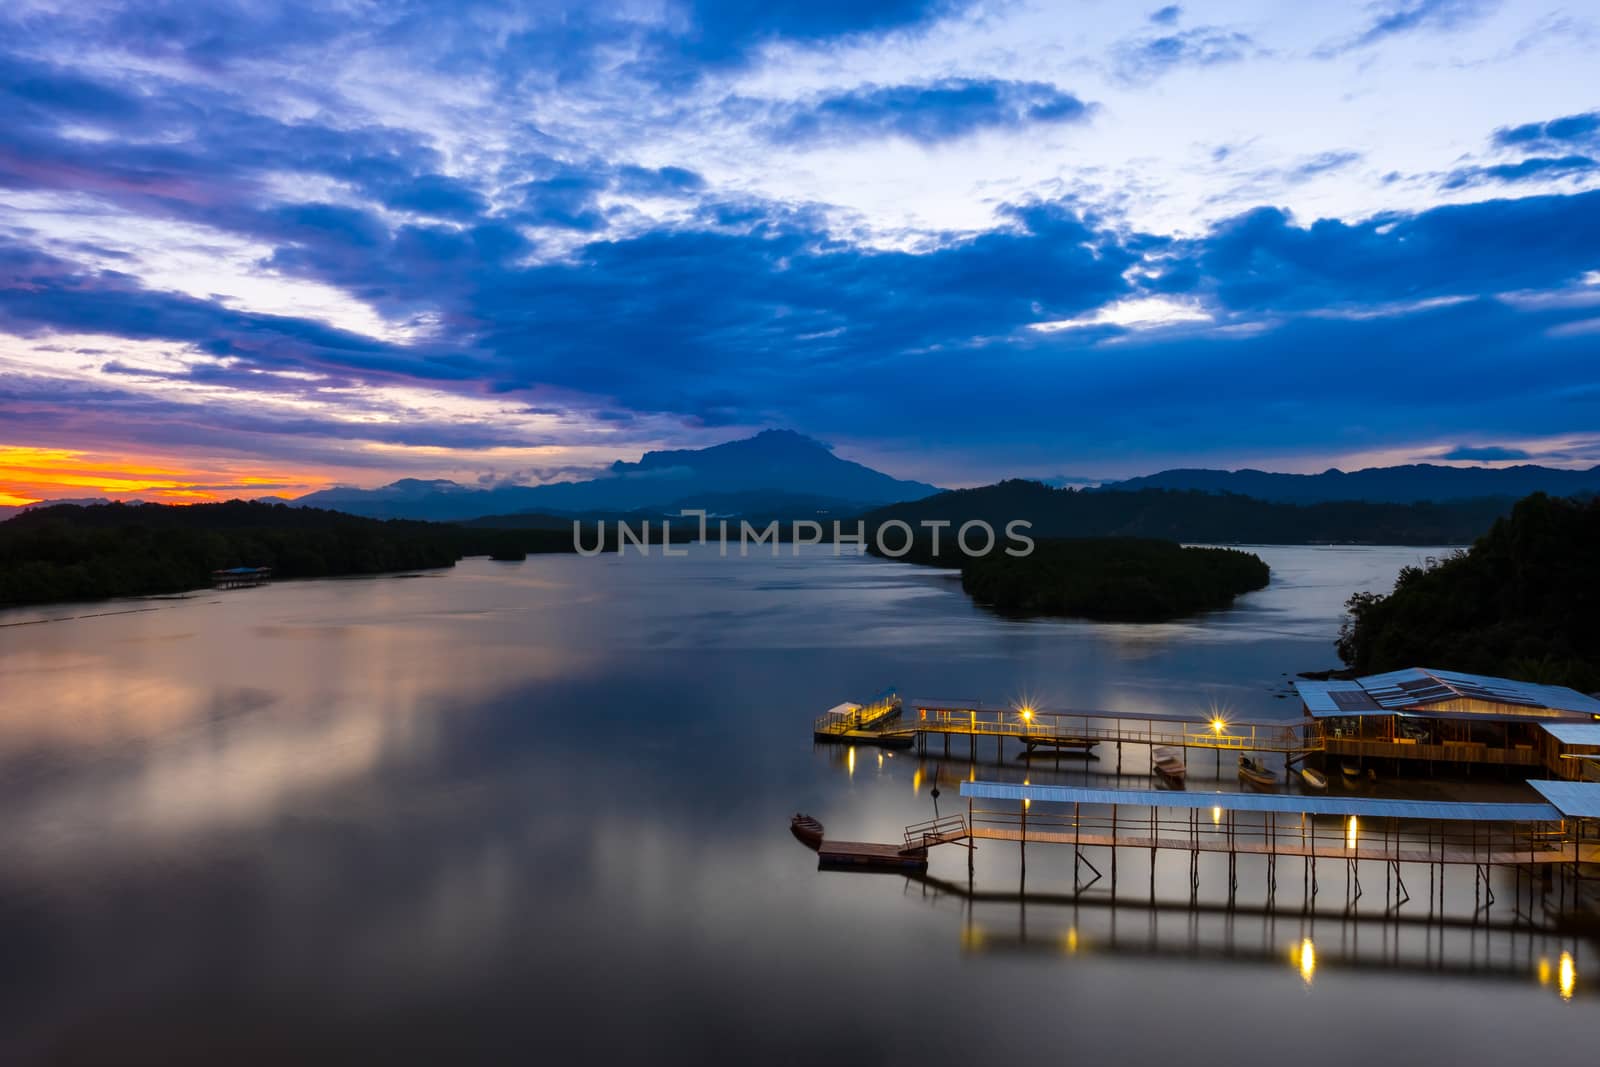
(1523, 602)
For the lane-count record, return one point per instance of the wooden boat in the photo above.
(1350, 770)
(807, 829)
(1169, 764)
(1314, 778)
(1255, 774)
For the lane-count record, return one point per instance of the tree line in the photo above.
(1522, 602)
(73, 552)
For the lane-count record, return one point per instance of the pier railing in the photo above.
(936, 831)
(1230, 831)
(1051, 727)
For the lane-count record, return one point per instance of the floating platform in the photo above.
(866, 855)
(881, 738)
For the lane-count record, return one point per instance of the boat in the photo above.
(863, 722)
(1169, 764)
(807, 829)
(1255, 774)
(1314, 778)
(1350, 770)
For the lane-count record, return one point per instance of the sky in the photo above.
(253, 249)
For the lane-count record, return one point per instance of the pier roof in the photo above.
(1574, 733)
(1580, 800)
(1281, 803)
(1418, 688)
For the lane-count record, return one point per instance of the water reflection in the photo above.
(1313, 949)
(540, 812)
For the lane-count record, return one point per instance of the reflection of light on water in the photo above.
(1070, 941)
(1216, 816)
(1544, 970)
(880, 761)
(1566, 975)
(850, 761)
(1350, 833)
(1305, 957)
(916, 781)
(971, 937)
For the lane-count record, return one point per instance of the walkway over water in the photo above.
(1085, 729)
(1545, 834)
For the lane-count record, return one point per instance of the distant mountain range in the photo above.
(774, 469)
(781, 474)
(1383, 485)
(1199, 517)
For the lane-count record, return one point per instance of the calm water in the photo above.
(538, 813)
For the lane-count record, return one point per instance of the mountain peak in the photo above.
(772, 464)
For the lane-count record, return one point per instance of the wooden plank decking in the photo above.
(867, 854)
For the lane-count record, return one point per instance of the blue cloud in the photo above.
(1148, 58)
(929, 114)
(1261, 260)
(1529, 169)
(438, 195)
(1166, 16)
(1486, 453)
(731, 28)
(1403, 18)
(1581, 129)
(658, 181)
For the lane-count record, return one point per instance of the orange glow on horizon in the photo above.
(38, 475)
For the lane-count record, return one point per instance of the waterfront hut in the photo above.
(1429, 716)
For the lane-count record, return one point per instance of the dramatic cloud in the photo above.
(286, 245)
(1263, 261)
(930, 114)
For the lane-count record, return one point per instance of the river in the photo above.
(538, 812)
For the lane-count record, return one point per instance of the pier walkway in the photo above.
(1548, 834)
(1070, 730)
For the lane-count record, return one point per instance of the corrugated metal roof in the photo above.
(1286, 804)
(1418, 687)
(1574, 733)
(1578, 799)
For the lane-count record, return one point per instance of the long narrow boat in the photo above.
(1255, 774)
(807, 829)
(1350, 770)
(1314, 778)
(1169, 764)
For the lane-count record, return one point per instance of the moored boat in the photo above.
(1351, 770)
(1314, 778)
(1169, 764)
(807, 829)
(1255, 773)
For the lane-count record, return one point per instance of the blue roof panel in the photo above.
(1581, 800)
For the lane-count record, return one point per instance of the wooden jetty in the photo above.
(873, 856)
(1548, 834)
